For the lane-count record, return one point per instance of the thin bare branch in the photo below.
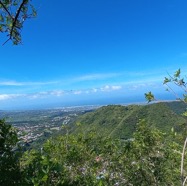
(173, 92)
(184, 181)
(6, 41)
(182, 164)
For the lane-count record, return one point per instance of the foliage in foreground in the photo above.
(13, 14)
(9, 156)
(149, 158)
(172, 82)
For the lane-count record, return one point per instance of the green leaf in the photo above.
(45, 178)
(177, 73)
(34, 12)
(172, 129)
(185, 98)
(149, 97)
(184, 114)
(1, 18)
(181, 82)
(166, 80)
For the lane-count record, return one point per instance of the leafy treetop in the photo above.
(13, 14)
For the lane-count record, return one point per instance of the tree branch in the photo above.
(6, 41)
(182, 163)
(184, 181)
(16, 17)
(5, 9)
(14, 20)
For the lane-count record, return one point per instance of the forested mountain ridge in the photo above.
(96, 157)
(178, 107)
(120, 121)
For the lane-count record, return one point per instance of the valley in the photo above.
(116, 121)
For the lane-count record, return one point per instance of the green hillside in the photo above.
(120, 121)
(178, 107)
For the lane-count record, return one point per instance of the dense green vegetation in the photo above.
(10, 173)
(150, 158)
(115, 145)
(35, 126)
(96, 156)
(178, 107)
(121, 121)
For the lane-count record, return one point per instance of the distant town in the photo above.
(34, 125)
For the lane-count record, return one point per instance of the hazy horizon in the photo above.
(85, 52)
(92, 102)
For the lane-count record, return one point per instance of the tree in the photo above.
(9, 156)
(86, 159)
(13, 14)
(179, 82)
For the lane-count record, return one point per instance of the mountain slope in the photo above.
(121, 121)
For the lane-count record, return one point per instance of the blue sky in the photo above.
(92, 52)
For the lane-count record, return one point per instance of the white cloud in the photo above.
(16, 83)
(9, 96)
(77, 92)
(10, 83)
(4, 96)
(57, 93)
(34, 96)
(94, 90)
(109, 88)
(105, 88)
(116, 87)
(45, 94)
